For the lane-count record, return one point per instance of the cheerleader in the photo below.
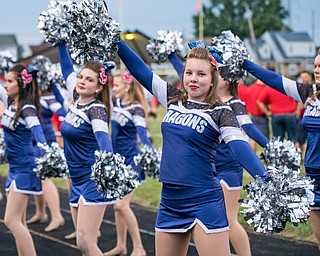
(127, 121)
(192, 201)
(85, 130)
(49, 106)
(229, 171)
(21, 125)
(308, 94)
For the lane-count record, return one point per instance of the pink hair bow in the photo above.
(213, 61)
(103, 78)
(26, 77)
(127, 77)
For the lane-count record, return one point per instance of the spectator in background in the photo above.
(243, 93)
(305, 77)
(259, 119)
(282, 110)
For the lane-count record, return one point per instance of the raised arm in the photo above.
(135, 65)
(176, 63)
(65, 60)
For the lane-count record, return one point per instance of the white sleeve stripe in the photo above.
(139, 121)
(32, 121)
(243, 119)
(159, 89)
(99, 126)
(290, 88)
(231, 133)
(54, 107)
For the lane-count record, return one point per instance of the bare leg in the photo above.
(88, 223)
(74, 233)
(51, 196)
(216, 244)
(172, 243)
(315, 221)
(238, 236)
(15, 221)
(126, 220)
(41, 214)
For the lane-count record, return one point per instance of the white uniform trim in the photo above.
(196, 221)
(91, 203)
(15, 189)
(225, 184)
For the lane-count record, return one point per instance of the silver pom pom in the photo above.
(166, 43)
(57, 22)
(3, 158)
(112, 176)
(149, 161)
(234, 52)
(6, 60)
(95, 33)
(44, 76)
(53, 163)
(285, 198)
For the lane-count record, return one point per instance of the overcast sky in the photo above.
(20, 17)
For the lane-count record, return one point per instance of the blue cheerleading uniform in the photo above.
(310, 121)
(228, 169)
(49, 106)
(20, 151)
(84, 130)
(191, 192)
(126, 122)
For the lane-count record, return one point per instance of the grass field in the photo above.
(148, 194)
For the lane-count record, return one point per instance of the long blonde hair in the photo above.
(136, 93)
(316, 95)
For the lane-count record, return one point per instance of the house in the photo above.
(287, 53)
(10, 44)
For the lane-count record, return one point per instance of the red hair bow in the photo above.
(26, 77)
(103, 78)
(127, 77)
(213, 61)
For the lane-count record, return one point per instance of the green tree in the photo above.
(221, 15)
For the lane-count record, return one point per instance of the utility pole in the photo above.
(248, 16)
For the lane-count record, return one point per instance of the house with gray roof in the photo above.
(286, 52)
(10, 44)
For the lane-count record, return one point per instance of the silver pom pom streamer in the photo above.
(112, 176)
(53, 163)
(234, 52)
(282, 153)
(3, 158)
(95, 34)
(149, 161)
(285, 198)
(57, 22)
(166, 43)
(6, 60)
(43, 65)
(57, 76)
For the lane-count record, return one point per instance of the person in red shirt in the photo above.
(243, 93)
(282, 110)
(259, 119)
